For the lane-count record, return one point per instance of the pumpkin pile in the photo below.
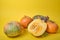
(36, 25)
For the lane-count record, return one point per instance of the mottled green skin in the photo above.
(12, 29)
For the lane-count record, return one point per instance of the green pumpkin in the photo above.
(44, 18)
(12, 29)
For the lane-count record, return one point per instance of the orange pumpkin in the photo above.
(25, 21)
(52, 27)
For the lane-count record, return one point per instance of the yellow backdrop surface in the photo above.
(14, 10)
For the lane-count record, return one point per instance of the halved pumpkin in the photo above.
(37, 27)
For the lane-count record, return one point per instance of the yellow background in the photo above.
(14, 10)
